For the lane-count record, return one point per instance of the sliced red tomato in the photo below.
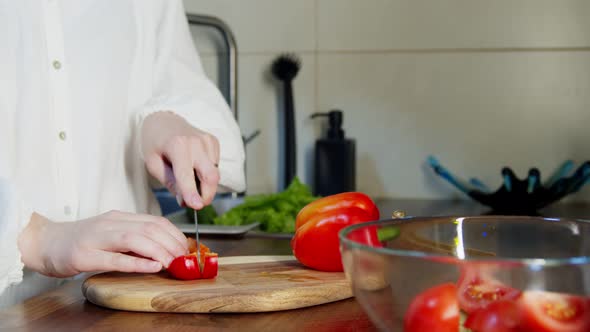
(187, 268)
(477, 289)
(499, 316)
(555, 312)
(435, 309)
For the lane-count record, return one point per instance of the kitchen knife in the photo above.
(198, 183)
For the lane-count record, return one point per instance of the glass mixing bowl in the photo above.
(441, 273)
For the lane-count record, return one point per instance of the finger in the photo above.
(181, 159)
(139, 244)
(162, 171)
(160, 235)
(208, 174)
(163, 222)
(206, 157)
(174, 231)
(212, 148)
(98, 260)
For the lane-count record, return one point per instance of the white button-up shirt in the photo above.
(77, 77)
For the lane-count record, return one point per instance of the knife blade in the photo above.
(198, 183)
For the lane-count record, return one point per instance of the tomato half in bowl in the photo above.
(435, 309)
(477, 289)
(498, 316)
(554, 312)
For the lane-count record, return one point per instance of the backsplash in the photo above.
(479, 84)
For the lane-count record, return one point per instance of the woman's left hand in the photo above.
(174, 150)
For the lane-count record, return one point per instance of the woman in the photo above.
(95, 96)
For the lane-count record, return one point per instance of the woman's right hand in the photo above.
(113, 241)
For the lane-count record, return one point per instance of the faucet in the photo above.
(231, 89)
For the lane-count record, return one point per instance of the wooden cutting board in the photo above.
(243, 284)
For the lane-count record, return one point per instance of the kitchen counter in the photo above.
(578, 210)
(65, 309)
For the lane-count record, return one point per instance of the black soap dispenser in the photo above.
(335, 158)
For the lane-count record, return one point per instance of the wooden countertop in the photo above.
(65, 309)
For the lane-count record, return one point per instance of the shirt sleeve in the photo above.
(14, 216)
(181, 86)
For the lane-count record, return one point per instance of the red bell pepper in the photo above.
(336, 203)
(187, 268)
(316, 244)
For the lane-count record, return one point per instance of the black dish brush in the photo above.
(285, 68)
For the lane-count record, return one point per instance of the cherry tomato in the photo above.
(316, 244)
(338, 202)
(498, 316)
(555, 312)
(187, 268)
(477, 289)
(434, 310)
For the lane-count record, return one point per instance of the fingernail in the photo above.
(179, 199)
(196, 201)
(154, 265)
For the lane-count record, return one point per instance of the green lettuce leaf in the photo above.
(275, 212)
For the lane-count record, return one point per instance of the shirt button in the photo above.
(67, 210)
(56, 65)
(62, 135)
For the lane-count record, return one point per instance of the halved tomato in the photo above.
(554, 312)
(499, 316)
(187, 267)
(477, 289)
(435, 309)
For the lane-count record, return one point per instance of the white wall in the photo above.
(480, 84)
